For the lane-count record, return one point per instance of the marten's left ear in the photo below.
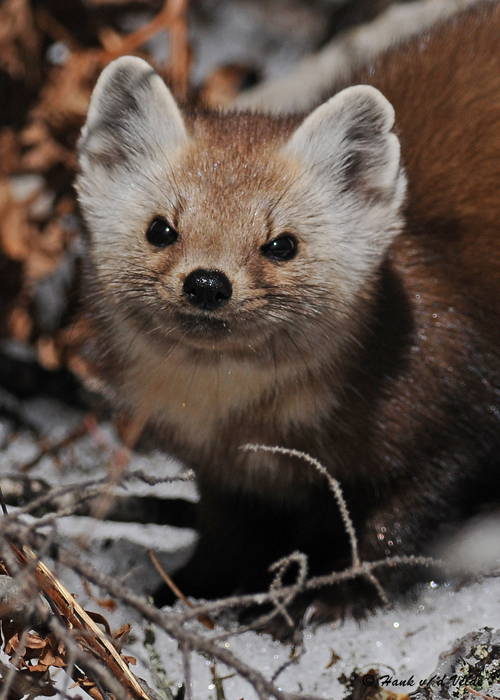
(348, 141)
(132, 119)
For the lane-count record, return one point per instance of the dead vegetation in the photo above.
(44, 627)
(48, 78)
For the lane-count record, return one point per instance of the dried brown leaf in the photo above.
(46, 154)
(223, 85)
(333, 660)
(15, 231)
(78, 619)
(109, 603)
(38, 265)
(131, 660)
(48, 355)
(10, 152)
(19, 40)
(117, 2)
(52, 239)
(122, 634)
(100, 620)
(66, 95)
(19, 324)
(26, 684)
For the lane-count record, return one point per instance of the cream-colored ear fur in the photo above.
(347, 147)
(349, 139)
(131, 112)
(133, 132)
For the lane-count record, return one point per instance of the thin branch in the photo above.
(51, 449)
(186, 664)
(188, 475)
(332, 483)
(263, 687)
(204, 619)
(189, 640)
(3, 504)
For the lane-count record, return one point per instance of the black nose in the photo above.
(207, 289)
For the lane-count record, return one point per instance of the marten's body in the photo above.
(265, 280)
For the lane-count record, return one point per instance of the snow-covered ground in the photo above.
(404, 644)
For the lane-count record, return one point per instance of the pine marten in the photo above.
(326, 282)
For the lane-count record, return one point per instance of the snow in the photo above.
(403, 643)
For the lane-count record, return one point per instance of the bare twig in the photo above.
(3, 504)
(188, 475)
(332, 483)
(172, 17)
(48, 449)
(170, 623)
(281, 567)
(80, 620)
(85, 635)
(204, 619)
(186, 663)
(52, 496)
(476, 692)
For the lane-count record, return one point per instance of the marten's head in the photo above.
(236, 232)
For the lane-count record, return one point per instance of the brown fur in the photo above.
(399, 396)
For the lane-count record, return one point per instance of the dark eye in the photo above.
(281, 248)
(160, 233)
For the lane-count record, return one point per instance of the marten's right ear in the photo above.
(132, 116)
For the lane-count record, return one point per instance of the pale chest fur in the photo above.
(197, 400)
